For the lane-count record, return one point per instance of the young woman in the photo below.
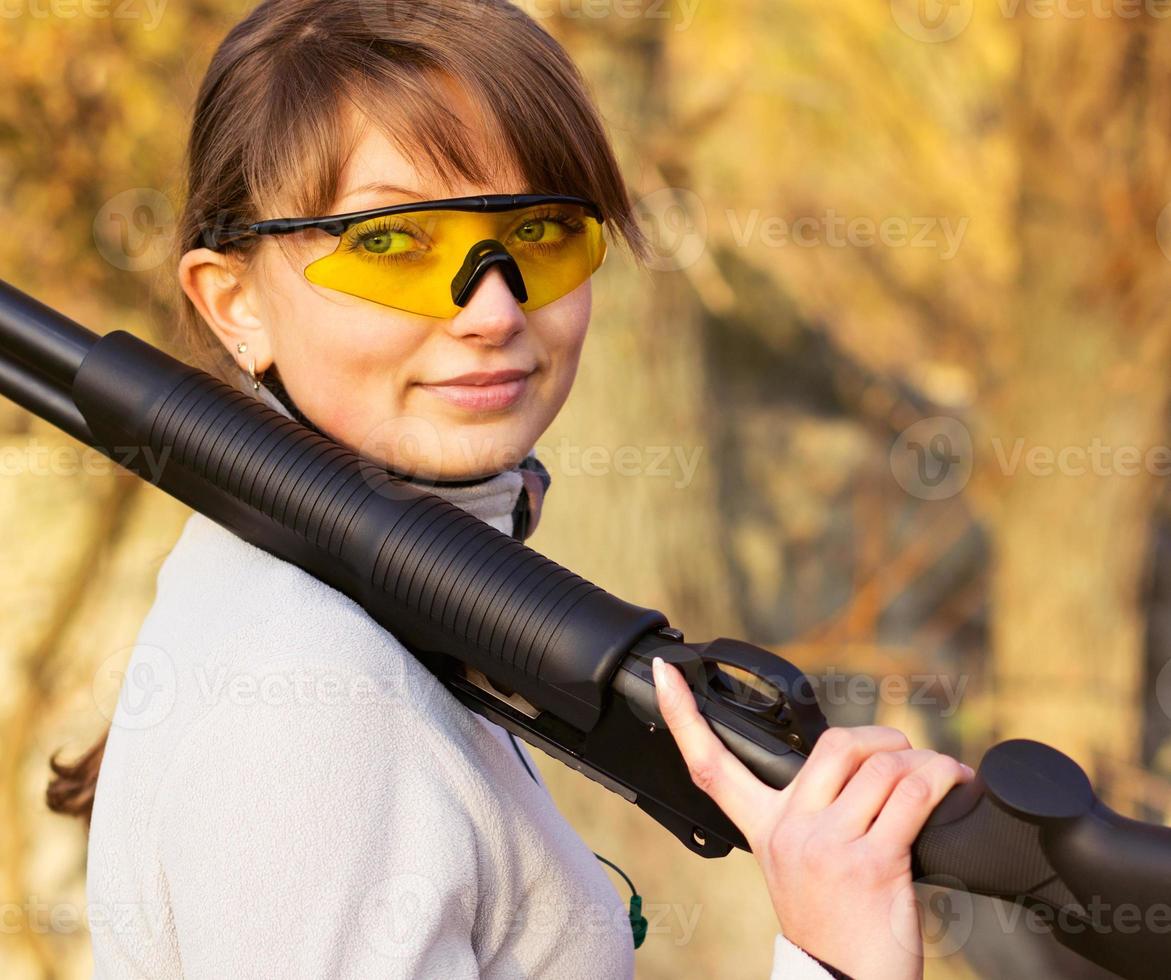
(284, 790)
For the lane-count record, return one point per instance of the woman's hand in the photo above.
(835, 844)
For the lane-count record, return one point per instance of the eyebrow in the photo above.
(381, 187)
(384, 188)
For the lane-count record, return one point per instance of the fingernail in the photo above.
(968, 769)
(657, 669)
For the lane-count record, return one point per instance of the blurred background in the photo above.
(891, 400)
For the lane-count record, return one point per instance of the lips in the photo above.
(485, 377)
(482, 391)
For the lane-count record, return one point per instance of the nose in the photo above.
(491, 314)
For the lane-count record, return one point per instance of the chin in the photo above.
(478, 450)
(434, 446)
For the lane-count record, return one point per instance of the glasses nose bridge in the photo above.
(481, 257)
(499, 280)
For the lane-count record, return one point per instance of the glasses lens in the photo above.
(408, 260)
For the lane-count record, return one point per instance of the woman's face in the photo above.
(382, 381)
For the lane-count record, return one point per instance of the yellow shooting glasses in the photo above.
(427, 257)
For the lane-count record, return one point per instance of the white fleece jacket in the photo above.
(286, 792)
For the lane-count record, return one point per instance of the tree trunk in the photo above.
(1072, 441)
(635, 502)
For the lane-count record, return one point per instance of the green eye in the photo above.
(543, 231)
(377, 243)
(381, 242)
(379, 238)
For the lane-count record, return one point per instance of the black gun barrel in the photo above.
(41, 337)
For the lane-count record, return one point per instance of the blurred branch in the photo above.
(934, 314)
(887, 579)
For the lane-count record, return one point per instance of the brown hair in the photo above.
(269, 132)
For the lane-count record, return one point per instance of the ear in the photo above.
(216, 285)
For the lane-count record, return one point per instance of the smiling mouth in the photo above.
(486, 377)
(482, 391)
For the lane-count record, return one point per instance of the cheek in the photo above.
(561, 329)
(345, 361)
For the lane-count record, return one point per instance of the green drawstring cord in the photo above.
(638, 924)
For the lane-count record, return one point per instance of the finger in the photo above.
(713, 768)
(834, 759)
(863, 797)
(910, 803)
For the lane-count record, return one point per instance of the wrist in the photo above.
(833, 971)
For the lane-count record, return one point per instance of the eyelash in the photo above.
(382, 228)
(571, 225)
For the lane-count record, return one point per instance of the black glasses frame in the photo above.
(336, 224)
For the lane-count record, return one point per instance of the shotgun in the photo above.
(557, 660)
